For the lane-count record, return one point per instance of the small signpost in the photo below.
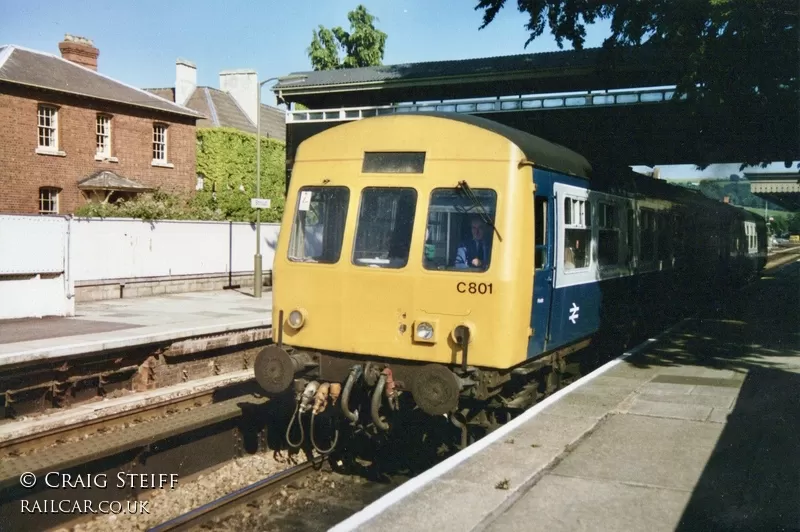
(260, 203)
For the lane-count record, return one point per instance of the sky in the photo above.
(140, 41)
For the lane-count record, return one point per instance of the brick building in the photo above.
(71, 133)
(232, 105)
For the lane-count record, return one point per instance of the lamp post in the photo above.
(257, 278)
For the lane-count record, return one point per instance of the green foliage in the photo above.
(363, 46)
(793, 224)
(734, 60)
(226, 158)
(157, 205)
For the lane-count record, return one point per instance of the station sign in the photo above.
(260, 203)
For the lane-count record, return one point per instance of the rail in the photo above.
(493, 105)
(224, 504)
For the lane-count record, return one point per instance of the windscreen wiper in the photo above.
(463, 186)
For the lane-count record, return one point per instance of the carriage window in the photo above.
(609, 235)
(457, 236)
(318, 226)
(578, 233)
(385, 223)
(540, 231)
(752, 237)
(677, 241)
(631, 228)
(647, 235)
(664, 238)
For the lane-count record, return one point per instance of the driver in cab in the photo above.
(474, 252)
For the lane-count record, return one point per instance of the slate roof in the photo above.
(32, 68)
(108, 180)
(222, 110)
(484, 66)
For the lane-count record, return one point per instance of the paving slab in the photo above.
(115, 324)
(552, 431)
(567, 504)
(12, 331)
(472, 506)
(658, 452)
(670, 410)
(705, 400)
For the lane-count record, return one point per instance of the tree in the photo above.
(793, 225)
(363, 46)
(736, 60)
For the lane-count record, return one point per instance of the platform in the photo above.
(693, 430)
(114, 324)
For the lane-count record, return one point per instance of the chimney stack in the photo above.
(243, 86)
(79, 50)
(185, 80)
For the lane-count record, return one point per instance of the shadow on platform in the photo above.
(752, 480)
(755, 328)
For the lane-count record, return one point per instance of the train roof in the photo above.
(542, 153)
(625, 181)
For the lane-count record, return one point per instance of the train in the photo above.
(451, 265)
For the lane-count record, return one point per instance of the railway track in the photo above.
(103, 423)
(305, 498)
(189, 435)
(184, 436)
(223, 505)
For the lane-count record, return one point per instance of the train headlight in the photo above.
(425, 332)
(297, 318)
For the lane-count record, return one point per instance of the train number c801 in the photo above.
(474, 288)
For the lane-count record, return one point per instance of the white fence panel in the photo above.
(32, 244)
(244, 245)
(125, 249)
(34, 267)
(113, 249)
(35, 297)
(64, 251)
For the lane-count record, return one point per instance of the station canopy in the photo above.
(542, 73)
(780, 188)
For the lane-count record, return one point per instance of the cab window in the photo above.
(458, 235)
(318, 227)
(385, 223)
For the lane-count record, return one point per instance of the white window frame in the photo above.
(41, 114)
(752, 237)
(103, 131)
(575, 276)
(54, 199)
(163, 141)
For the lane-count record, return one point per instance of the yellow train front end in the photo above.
(405, 261)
